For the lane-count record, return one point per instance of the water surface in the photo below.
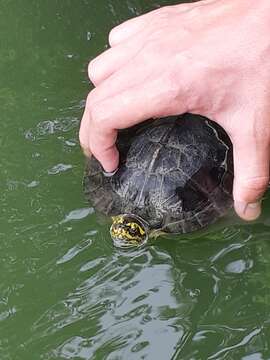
(65, 291)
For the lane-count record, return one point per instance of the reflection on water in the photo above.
(65, 291)
(175, 300)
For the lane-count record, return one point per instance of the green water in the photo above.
(65, 291)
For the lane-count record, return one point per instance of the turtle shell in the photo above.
(176, 173)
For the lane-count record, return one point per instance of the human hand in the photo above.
(210, 57)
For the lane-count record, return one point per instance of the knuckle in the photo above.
(165, 11)
(162, 17)
(92, 70)
(84, 145)
(112, 35)
(88, 100)
(195, 11)
(97, 115)
(256, 185)
(94, 150)
(82, 138)
(91, 98)
(99, 147)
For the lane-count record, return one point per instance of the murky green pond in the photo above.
(65, 291)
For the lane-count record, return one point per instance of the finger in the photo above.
(251, 171)
(132, 74)
(114, 59)
(141, 70)
(84, 133)
(129, 28)
(117, 83)
(105, 151)
(153, 99)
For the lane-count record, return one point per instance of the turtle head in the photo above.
(128, 231)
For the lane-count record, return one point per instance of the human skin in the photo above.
(211, 58)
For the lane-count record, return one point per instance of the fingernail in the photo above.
(249, 211)
(110, 174)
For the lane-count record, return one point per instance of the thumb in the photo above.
(251, 174)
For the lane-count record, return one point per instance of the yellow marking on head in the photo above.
(128, 229)
(118, 219)
(135, 226)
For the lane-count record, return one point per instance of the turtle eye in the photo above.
(133, 231)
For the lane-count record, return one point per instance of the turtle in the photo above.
(175, 176)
